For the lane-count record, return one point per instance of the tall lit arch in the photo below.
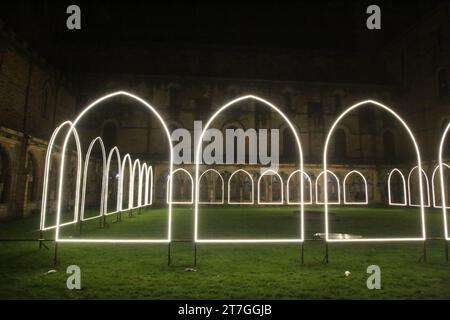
(222, 184)
(126, 163)
(338, 201)
(272, 173)
(419, 164)
(304, 174)
(48, 159)
(433, 189)
(441, 174)
(85, 173)
(405, 196)
(62, 171)
(366, 197)
(410, 202)
(170, 180)
(149, 183)
(198, 152)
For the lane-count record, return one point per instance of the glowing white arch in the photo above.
(253, 188)
(197, 163)
(405, 197)
(223, 187)
(126, 160)
(48, 157)
(441, 174)
(265, 173)
(149, 183)
(317, 188)
(142, 200)
(113, 151)
(61, 175)
(104, 172)
(433, 191)
(170, 180)
(366, 201)
(310, 187)
(416, 147)
(409, 188)
(136, 168)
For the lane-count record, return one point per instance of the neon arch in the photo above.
(338, 201)
(104, 172)
(288, 187)
(274, 173)
(126, 161)
(113, 151)
(197, 164)
(149, 183)
(136, 169)
(61, 175)
(222, 184)
(48, 157)
(409, 188)
(433, 191)
(170, 180)
(416, 147)
(441, 174)
(253, 188)
(366, 201)
(143, 184)
(405, 197)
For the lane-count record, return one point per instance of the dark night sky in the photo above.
(318, 25)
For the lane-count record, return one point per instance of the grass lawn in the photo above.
(235, 271)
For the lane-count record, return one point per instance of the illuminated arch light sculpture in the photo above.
(252, 193)
(288, 187)
(197, 164)
(62, 171)
(170, 182)
(270, 173)
(126, 163)
(338, 201)
(222, 184)
(47, 167)
(146, 178)
(416, 147)
(410, 202)
(135, 204)
(405, 197)
(433, 189)
(112, 152)
(441, 176)
(353, 172)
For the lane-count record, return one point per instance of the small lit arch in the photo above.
(288, 187)
(410, 202)
(433, 189)
(338, 201)
(170, 179)
(136, 169)
(405, 197)
(252, 193)
(85, 174)
(112, 152)
(272, 173)
(126, 161)
(143, 185)
(366, 197)
(222, 184)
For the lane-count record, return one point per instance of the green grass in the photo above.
(235, 271)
